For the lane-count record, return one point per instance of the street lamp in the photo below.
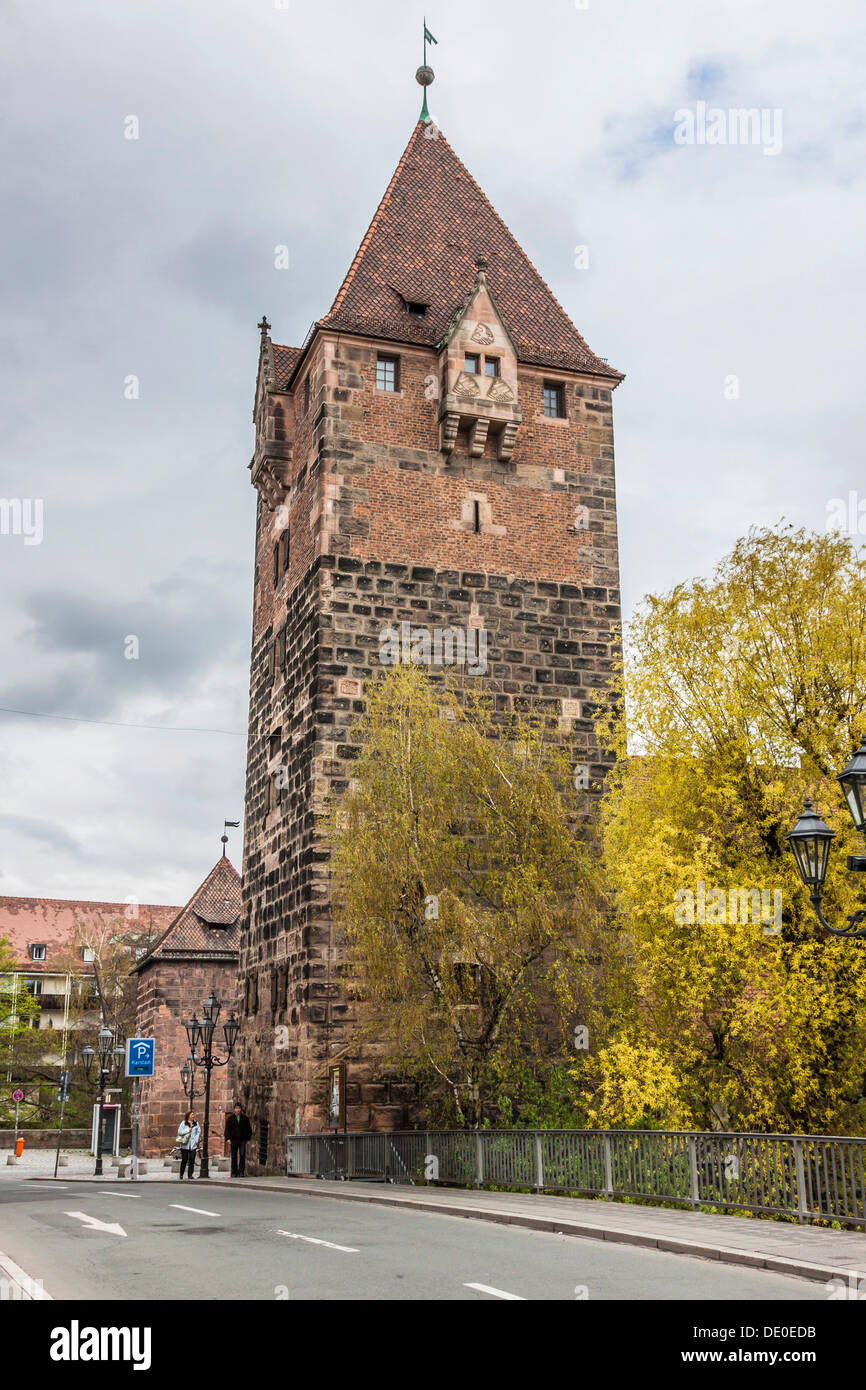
(111, 1059)
(200, 1033)
(810, 843)
(187, 1080)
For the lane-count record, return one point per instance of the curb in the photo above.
(776, 1264)
(31, 1290)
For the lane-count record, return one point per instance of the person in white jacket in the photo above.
(188, 1138)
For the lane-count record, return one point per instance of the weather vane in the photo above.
(425, 74)
(224, 839)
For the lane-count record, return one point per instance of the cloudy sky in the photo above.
(725, 279)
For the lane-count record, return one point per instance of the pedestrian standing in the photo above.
(188, 1138)
(238, 1132)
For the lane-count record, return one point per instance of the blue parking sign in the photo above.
(139, 1056)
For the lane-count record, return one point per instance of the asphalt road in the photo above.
(190, 1241)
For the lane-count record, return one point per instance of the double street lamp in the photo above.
(810, 841)
(111, 1061)
(200, 1033)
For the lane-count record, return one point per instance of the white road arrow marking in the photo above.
(347, 1249)
(199, 1211)
(496, 1293)
(93, 1223)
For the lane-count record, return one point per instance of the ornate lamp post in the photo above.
(200, 1033)
(810, 842)
(187, 1080)
(111, 1061)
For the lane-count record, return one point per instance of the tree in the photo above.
(739, 695)
(468, 902)
(18, 1010)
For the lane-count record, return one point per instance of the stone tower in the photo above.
(438, 453)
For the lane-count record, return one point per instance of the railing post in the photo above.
(479, 1161)
(608, 1166)
(539, 1164)
(348, 1157)
(693, 1172)
(802, 1206)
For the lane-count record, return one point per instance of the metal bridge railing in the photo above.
(811, 1177)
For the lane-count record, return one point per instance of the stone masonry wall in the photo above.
(168, 992)
(384, 529)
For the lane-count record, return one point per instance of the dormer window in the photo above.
(88, 955)
(36, 951)
(416, 308)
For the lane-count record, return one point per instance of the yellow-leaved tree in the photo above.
(741, 694)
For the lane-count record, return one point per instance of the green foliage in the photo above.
(470, 906)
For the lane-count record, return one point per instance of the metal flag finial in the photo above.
(425, 74)
(224, 839)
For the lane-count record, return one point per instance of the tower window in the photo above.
(491, 366)
(276, 564)
(554, 400)
(284, 558)
(476, 512)
(387, 374)
(307, 394)
(472, 363)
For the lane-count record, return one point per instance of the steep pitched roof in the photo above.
(285, 361)
(209, 925)
(429, 230)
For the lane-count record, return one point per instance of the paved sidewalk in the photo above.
(808, 1251)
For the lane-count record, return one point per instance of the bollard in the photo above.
(19, 1147)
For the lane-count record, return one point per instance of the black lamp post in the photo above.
(200, 1033)
(810, 842)
(187, 1080)
(111, 1061)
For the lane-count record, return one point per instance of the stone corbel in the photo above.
(478, 436)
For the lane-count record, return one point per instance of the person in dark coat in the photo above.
(238, 1132)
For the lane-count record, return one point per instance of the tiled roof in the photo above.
(51, 922)
(209, 925)
(285, 361)
(430, 228)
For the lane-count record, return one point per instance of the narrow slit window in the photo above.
(276, 564)
(476, 514)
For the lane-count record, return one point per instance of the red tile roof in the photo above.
(430, 228)
(209, 925)
(51, 922)
(285, 361)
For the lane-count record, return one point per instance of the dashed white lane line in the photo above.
(292, 1235)
(134, 1195)
(31, 1289)
(496, 1293)
(199, 1211)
